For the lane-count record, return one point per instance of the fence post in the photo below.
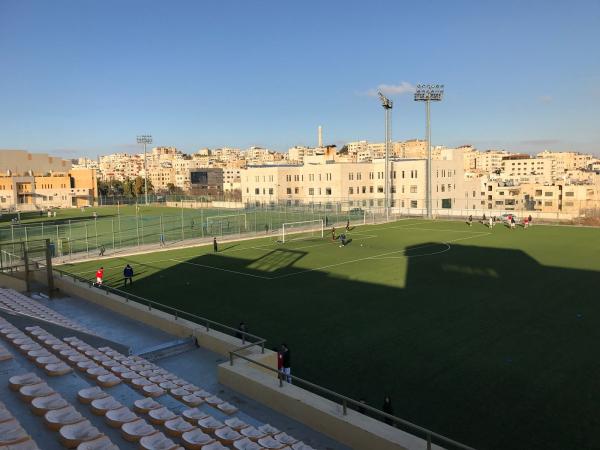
(142, 222)
(96, 230)
(112, 230)
(137, 228)
(87, 245)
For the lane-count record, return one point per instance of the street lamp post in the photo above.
(145, 139)
(429, 93)
(387, 106)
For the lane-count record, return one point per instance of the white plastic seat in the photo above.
(195, 439)
(235, 423)
(31, 391)
(73, 435)
(134, 431)
(101, 443)
(285, 438)
(108, 380)
(210, 424)
(41, 405)
(11, 432)
(157, 441)
(227, 408)
(179, 392)
(177, 426)
(101, 405)
(254, 434)
(88, 395)
(268, 429)
(192, 400)
(145, 405)
(160, 415)
(270, 443)
(301, 446)
(214, 400)
(246, 444)
(57, 418)
(152, 390)
(227, 436)
(18, 381)
(57, 369)
(193, 415)
(117, 417)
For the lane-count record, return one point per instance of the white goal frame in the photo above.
(318, 225)
(226, 216)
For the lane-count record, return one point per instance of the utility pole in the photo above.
(145, 139)
(387, 106)
(429, 93)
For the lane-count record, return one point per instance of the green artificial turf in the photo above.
(488, 337)
(77, 230)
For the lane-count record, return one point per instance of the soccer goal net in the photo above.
(229, 223)
(306, 229)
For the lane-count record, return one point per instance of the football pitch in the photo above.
(490, 337)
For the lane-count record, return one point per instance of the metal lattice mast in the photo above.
(145, 139)
(429, 93)
(387, 106)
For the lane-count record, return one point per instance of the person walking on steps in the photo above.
(128, 275)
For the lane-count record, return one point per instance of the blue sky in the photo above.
(84, 77)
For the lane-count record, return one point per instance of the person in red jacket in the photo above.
(99, 276)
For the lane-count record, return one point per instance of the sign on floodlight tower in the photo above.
(387, 105)
(429, 93)
(145, 139)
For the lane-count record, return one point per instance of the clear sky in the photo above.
(84, 77)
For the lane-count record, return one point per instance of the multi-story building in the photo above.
(22, 162)
(359, 184)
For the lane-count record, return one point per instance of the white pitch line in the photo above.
(222, 269)
(368, 257)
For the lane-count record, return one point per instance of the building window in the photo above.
(350, 190)
(547, 203)
(414, 204)
(296, 190)
(447, 203)
(311, 191)
(358, 176)
(270, 191)
(548, 194)
(569, 194)
(380, 189)
(413, 189)
(327, 191)
(289, 191)
(351, 176)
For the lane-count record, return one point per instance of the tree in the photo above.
(174, 190)
(138, 186)
(128, 188)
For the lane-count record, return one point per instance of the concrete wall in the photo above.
(6, 281)
(354, 429)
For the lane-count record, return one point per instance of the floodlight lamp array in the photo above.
(144, 139)
(385, 102)
(429, 92)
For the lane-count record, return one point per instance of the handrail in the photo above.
(176, 312)
(345, 401)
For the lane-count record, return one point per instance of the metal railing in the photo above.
(430, 437)
(250, 340)
(175, 312)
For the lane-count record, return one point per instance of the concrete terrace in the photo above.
(196, 365)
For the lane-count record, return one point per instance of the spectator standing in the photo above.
(102, 250)
(286, 363)
(242, 328)
(215, 245)
(388, 408)
(99, 276)
(128, 275)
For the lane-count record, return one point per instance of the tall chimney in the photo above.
(320, 136)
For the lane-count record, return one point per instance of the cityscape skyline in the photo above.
(85, 79)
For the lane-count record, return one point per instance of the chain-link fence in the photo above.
(164, 226)
(100, 229)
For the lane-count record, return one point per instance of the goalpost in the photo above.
(234, 218)
(305, 229)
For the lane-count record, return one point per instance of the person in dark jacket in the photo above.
(242, 328)
(128, 275)
(215, 245)
(286, 363)
(388, 408)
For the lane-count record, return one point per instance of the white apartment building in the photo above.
(360, 184)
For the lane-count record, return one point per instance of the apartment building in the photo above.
(22, 162)
(360, 184)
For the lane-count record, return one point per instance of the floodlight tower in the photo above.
(429, 93)
(145, 139)
(387, 106)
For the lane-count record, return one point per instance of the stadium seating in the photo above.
(17, 302)
(12, 435)
(150, 425)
